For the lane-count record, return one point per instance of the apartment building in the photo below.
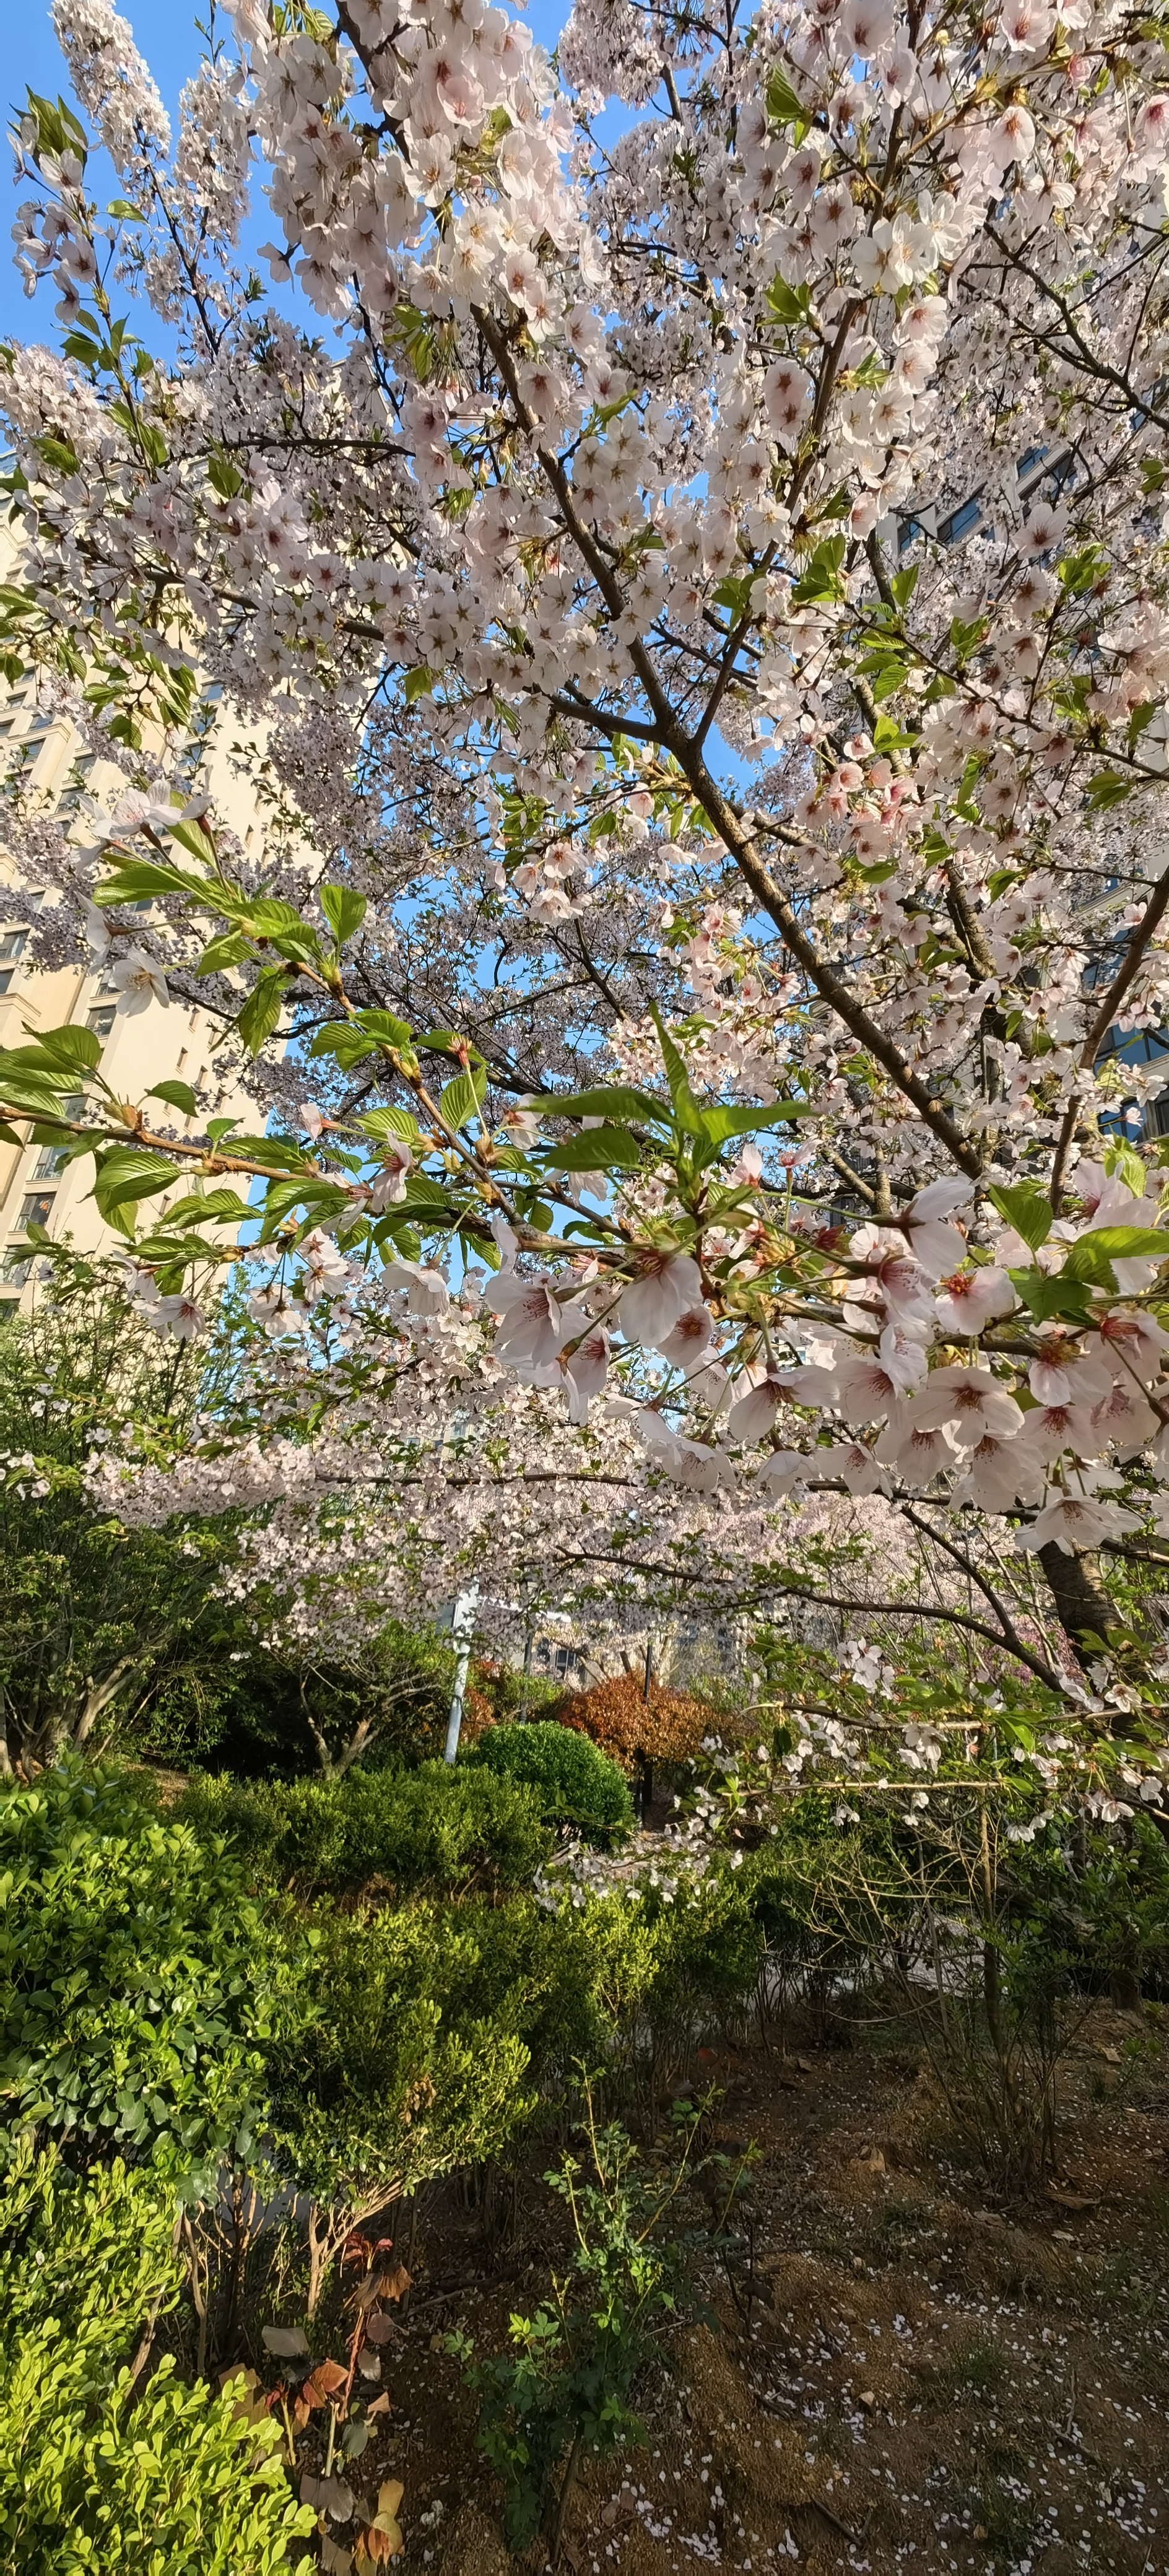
(42, 752)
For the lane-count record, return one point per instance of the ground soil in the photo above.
(931, 2376)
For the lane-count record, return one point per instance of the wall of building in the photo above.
(42, 756)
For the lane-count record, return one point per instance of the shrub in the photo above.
(566, 2386)
(138, 1980)
(633, 1729)
(102, 2473)
(442, 1827)
(574, 1781)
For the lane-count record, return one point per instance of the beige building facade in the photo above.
(41, 754)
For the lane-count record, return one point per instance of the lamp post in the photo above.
(462, 1631)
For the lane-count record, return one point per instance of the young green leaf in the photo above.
(261, 1011)
(343, 910)
(1027, 1210)
(177, 1095)
(461, 1099)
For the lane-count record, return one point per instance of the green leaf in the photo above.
(718, 1123)
(888, 677)
(273, 1150)
(177, 1095)
(596, 1149)
(229, 949)
(127, 1173)
(821, 577)
(261, 1011)
(1060, 1297)
(211, 1206)
(124, 211)
(388, 1031)
(57, 453)
(1027, 1210)
(783, 107)
(1092, 1257)
(390, 1229)
(74, 1050)
(462, 1098)
(341, 1040)
(1121, 1163)
(791, 304)
(191, 836)
(223, 477)
(1108, 787)
(418, 683)
(343, 910)
(1079, 571)
(134, 880)
(618, 1101)
(685, 1106)
(383, 1123)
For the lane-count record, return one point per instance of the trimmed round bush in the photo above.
(574, 1783)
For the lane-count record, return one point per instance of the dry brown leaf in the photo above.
(378, 2328)
(1073, 2199)
(868, 2397)
(381, 2542)
(335, 2560)
(323, 2383)
(368, 2362)
(389, 2495)
(396, 2283)
(379, 2406)
(287, 2342)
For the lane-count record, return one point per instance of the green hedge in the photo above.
(574, 1782)
(138, 1978)
(434, 1830)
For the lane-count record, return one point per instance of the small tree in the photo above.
(638, 1723)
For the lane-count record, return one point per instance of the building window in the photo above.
(51, 1162)
(101, 1021)
(74, 790)
(37, 1208)
(12, 946)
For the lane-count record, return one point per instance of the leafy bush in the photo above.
(441, 1827)
(103, 2473)
(138, 1980)
(634, 1727)
(574, 1782)
(568, 2382)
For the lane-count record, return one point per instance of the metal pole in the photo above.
(462, 1631)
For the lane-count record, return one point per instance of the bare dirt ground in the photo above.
(931, 2378)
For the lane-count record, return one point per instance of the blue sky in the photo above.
(165, 33)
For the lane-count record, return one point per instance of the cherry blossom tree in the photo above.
(706, 596)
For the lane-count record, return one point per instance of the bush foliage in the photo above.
(439, 1828)
(574, 1781)
(636, 1727)
(104, 2472)
(138, 1980)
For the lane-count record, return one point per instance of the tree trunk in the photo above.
(1079, 1597)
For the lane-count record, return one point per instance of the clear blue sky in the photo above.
(164, 31)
